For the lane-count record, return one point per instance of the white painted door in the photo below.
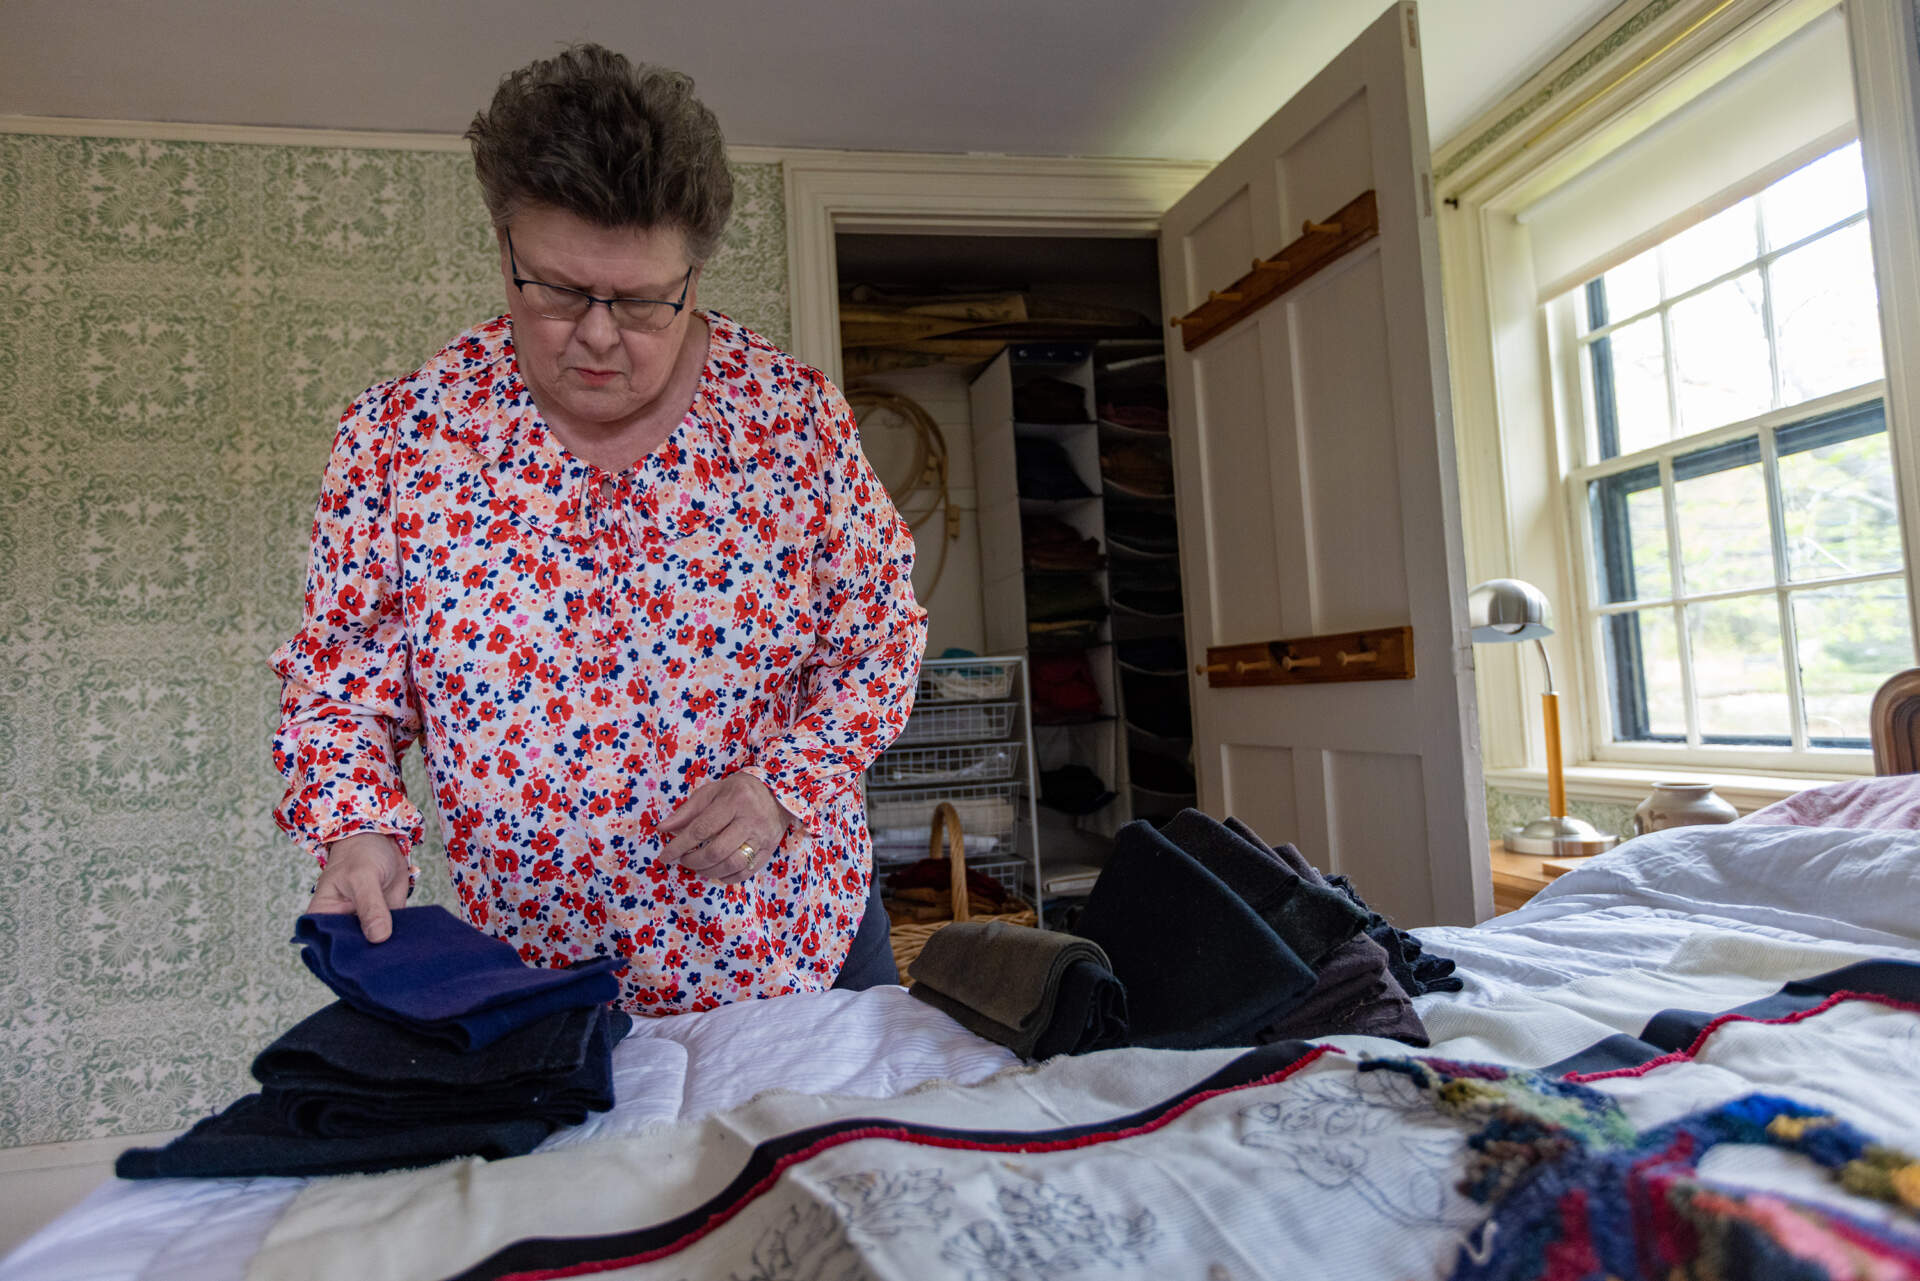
(1314, 465)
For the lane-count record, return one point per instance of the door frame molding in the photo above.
(828, 192)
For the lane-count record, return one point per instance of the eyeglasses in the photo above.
(557, 302)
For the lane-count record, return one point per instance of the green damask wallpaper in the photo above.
(180, 326)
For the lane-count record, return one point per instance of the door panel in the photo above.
(1314, 464)
(1259, 787)
(1231, 382)
(1371, 829)
(1335, 325)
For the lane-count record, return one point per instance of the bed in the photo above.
(865, 1134)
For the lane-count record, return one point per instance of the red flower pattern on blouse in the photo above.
(578, 650)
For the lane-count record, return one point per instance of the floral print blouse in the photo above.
(580, 649)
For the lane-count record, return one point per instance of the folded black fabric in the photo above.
(1160, 773)
(1311, 919)
(1157, 602)
(1139, 529)
(1415, 969)
(1008, 984)
(340, 1073)
(1354, 989)
(1073, 789)
(248, 1140)
(443, 978)
(1043, 470)
(1160, 655)
(1200, 967)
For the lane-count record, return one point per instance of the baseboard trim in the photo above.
(60, 1156)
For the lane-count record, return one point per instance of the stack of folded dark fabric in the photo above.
(1073, 789)
(1050, 544)
(1037, 992)
(1043, 470)
(1047, 399)
(1221, 940)
(1138, 528)
(443, 1044)
(1161, 705)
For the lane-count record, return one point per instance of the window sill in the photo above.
(1630, 783)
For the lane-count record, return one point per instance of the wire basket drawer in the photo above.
(901, 820)
(930, 766)
(960, 723)
(965, 680)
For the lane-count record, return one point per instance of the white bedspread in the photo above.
(1701, 918)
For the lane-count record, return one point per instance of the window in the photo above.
(1745, 574)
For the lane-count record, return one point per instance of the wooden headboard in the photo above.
(1896, 725)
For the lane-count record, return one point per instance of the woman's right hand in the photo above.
(366, 875)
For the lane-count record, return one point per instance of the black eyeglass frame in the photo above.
(521, 282)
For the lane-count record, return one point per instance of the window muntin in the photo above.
(1746, 570)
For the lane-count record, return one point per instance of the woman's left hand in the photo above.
(726, 830)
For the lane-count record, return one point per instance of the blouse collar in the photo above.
(666, 495)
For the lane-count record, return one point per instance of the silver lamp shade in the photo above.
(1506, 609)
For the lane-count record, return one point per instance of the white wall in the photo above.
(953, 605)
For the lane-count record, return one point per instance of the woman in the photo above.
(622, 567)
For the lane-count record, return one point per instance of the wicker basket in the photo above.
(909, 938)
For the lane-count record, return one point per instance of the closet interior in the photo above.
(1011, 395)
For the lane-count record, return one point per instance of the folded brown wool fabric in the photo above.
(1049, 543)
(1011, 984)
(1353, 991)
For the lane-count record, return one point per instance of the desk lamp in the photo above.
(1506, 609)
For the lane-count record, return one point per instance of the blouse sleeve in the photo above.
(347, 709)
(857, 685)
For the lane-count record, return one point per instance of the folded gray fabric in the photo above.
(1004, 982)
(1311, 919)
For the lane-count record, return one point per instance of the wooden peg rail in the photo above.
(1319, 245)
(1385, 654)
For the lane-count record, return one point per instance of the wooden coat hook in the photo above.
(1319, 245)
(1381, 654)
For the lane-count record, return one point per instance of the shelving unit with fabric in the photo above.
(1046, 587)
(1143, 568)
(967, 743)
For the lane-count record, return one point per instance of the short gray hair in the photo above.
(618, 143)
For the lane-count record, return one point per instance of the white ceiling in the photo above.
(1185, 79)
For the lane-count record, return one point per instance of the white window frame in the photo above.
(1517, 381)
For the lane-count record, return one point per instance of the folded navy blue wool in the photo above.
(1311, 919)
(248, 1141)
(340, 1073)
(1200, 967)
(1415, 969)
(441, 977)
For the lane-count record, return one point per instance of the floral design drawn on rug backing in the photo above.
(1316, 1132)
(1032, 1232)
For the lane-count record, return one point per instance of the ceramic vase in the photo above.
(1681, 805)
